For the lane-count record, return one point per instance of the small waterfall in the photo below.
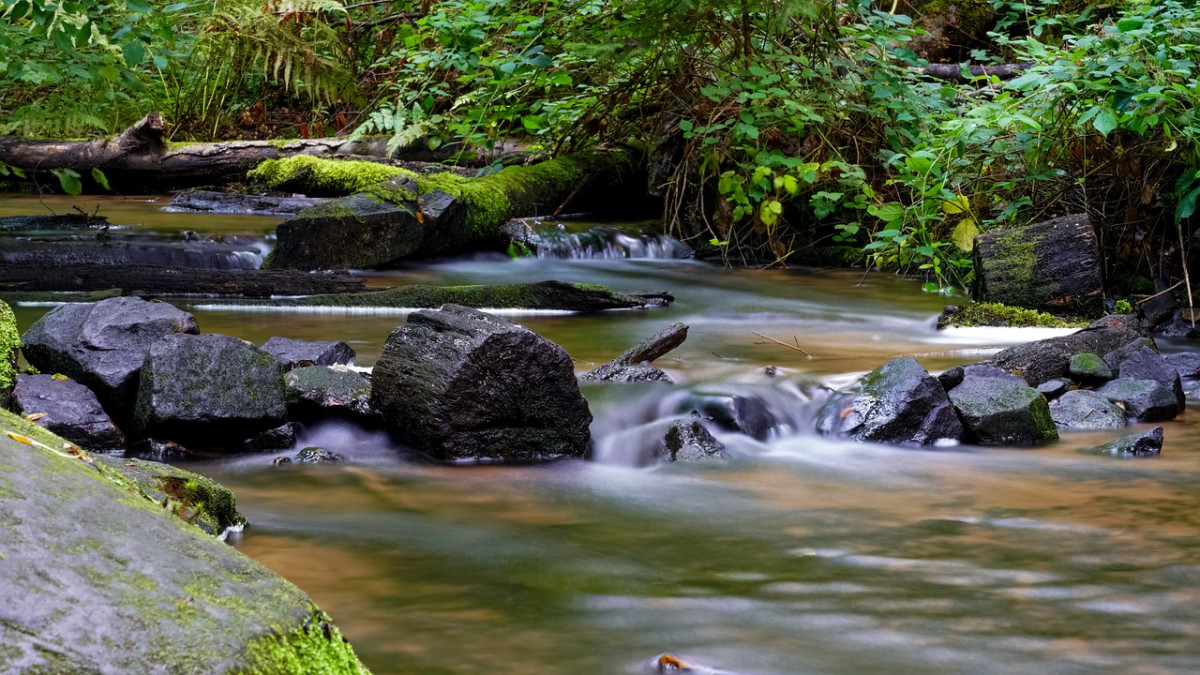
(604, 242)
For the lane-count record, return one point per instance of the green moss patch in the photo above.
(317, 177)
(10, 342)
(997, 314)
(314, 648)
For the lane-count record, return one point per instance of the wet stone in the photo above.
(1082, 409)
(1187, 364)
(300, 353)
(954, 377)
(1088, 368)
(899, 402)
(1146, 444)
(68, 409)
(1115, 357)
(280, 438)
(1052, 389)
(315, 455)
(1000, 411)
(689, 441)
(1146, 364)
(1144, 400)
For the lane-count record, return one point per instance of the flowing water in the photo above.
(798, 555)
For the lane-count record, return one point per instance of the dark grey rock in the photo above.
(633, 364)
(1180, 327)
(297, 353)
(68, 409)
(281, 437)
(102, 345)
(1053, 266)
(157, 451)
(1114, 357)
(1187, 364)
(1146, 364)
(1000, 411)
(45, 222)
(206, 201)
(1145, 444)
(1089, 369)
(899, 402)
(1081, 409)
(1144, 400)
(1052, 389)
(743, 413)
(315, 455)
(1049, 359)
(314, 392)
(690, 441)
(954, 377)
(209, 390)
(460, 384)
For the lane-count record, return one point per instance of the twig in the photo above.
(1187, 282)
(796, 346)
(1164, 292)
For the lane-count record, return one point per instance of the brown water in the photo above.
(799, 556)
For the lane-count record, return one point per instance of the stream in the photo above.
(797, 555)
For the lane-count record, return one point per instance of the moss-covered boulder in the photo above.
(1053, 266)
(102, 345)
(101, 579)
(459, 384)
(1143, 400)
(1003, 411)
(209, 391)
(898, 402)
(1088, 368)
(299, 353)
(10, 343)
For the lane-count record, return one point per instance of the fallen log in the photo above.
(207, 201)
(543, 295)
(149, 280)
(953, 72)
(633, 364)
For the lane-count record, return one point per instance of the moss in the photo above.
(314, 648)
(997, 314)
(202, 502)
(317, 176)
(10, 342)
(972, 17)
(1122, 307)
(554, 295)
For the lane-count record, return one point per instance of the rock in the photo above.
(1053, 266)
(371, 231)
(633, 364)
(45, 222)
(954, 377)
(296, 353)
(1048, 359)
(1000, 411)
(1115, 357)
(742, 413)
(1187, 364)
(314, 392)
(460, 384)
(157, 451)
(1052, 389)
(314, 455)
(102, 345)
(209, 390)
(1089, 369)
(68, 409)
(1145, 444)
(10, 344)
(100, 578)
(190, 201)
(1144, 400)
(1180, 326)
(689, 441)
(1160, 307)
(122, 248)
(280, 438)
(899, 402)
(1081, 409)
(1146, 364)
(200, 501)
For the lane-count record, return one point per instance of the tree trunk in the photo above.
(953, 72)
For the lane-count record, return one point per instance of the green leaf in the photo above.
(160, 62)
(176, 7)
(1126, 25)
(69, 180)
(1105, 122)
(888, 213)
(134, 53)
(100, 178)
(964, 235)
(138, 6)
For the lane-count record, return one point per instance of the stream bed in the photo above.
(798, 555)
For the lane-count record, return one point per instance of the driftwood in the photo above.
(153, 280)
(953, 72)
(633, 364)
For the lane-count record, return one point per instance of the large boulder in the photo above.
(1053, 266)
(1045, 360)
(1143, 400)
(735, 409)
(299, 353)
(10, 342)
(315, 392)
(460, 384)
(99, 577)
(68, 409)
(209, 390)
(899, 402)
(1003, 411)
(102, 345)
(1146, 364)
(1081, 409)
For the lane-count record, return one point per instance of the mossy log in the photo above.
(101, 578)
(10, 342)
(388, 214)
(542, 295)
(152, 280)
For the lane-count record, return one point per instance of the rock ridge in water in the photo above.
(460, 384)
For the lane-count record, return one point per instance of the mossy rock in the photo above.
(194, 498)
(998, 314)
(10, 343)
(98, 578)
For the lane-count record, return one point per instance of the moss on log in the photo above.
(999, 314)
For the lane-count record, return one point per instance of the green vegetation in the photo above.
(1122, 307)
(996, 314)
(771, 128)
(316, 647)
(10, 342)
